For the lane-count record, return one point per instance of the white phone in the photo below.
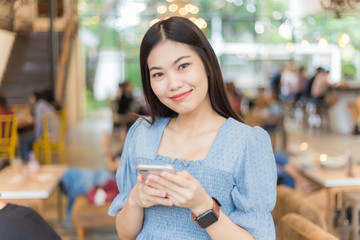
(146, 169)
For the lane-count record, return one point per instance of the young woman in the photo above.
(218, 159)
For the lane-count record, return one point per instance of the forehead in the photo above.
(168, 51)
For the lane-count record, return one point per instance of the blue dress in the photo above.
(239, 171)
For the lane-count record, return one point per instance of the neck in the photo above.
(201, 120)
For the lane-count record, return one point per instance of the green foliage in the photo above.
(348, 70)
(133, 72)
(331, 28)
(92, 104)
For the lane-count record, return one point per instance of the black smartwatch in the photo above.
(209, 217)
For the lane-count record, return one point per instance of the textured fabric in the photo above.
(239, 171)
(41, 108)
(19, 223)
(78, 181)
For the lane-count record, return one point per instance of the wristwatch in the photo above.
(209, 217)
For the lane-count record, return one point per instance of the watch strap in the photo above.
(214, 210)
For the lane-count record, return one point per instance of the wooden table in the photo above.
(335, 181)
(19, 188)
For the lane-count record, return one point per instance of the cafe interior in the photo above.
(291, 67)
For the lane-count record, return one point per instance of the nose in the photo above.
(175, 82)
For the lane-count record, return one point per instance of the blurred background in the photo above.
(290, 66)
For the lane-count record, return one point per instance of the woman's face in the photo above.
(178, 77)
(32, 99)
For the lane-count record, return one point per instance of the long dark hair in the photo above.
(182, 30)
(4, 104)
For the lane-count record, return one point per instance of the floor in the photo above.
(83, 147)
(84, 151)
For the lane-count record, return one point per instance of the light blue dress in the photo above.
(239, 171)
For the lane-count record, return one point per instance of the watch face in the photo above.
(207, 219)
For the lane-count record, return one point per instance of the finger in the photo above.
(140, 178)
(152, 200)
(161, 183)
(182, 179)
(153, 191)
(176, 199)
(154, 181)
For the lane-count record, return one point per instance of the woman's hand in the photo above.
(145, 196)
(183, 190)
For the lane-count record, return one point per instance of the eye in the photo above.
(182, 66)
(158, 74)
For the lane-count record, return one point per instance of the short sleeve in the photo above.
(126, 173)
(254, 195)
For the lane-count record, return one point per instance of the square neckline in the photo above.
(187, 161)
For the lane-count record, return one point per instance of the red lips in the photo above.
(181, 96)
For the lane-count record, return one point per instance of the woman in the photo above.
(40, 107)
(4, 108)
(193, 128)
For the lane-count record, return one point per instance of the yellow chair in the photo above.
(297, 227)
(53, 138)
(8, 136)
(289, 200)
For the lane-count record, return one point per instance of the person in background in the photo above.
(289, 82)
(39, 107)
(320, 85)
(78, 181)
(4, 108)
(275, 82)
(307, 89)
(225, 181)
(19, 223)
(124, 101)
(234, 96)
(303, 78)
(288, 175)
(319, 90)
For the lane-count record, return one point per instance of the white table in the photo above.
(335, 181)
(30, 189)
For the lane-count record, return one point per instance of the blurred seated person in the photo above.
(39, 107)
(19, 222)
(307, 88)
(289, 82)
(124, 100)
(264, 111)
(234, 97)
(78, 181)
(303, 79)
(320, 87)
(354, 109)
(275, 81)
(4, 110)
(289, 175)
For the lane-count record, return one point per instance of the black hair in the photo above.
(182, 30)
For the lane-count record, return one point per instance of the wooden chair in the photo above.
(8, 136)
(86, 215)
(296, 227)
(292, 201)
(53, 139)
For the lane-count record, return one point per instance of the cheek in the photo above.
(158, 88)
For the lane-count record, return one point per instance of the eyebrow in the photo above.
(175, 62)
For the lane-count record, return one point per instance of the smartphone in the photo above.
(146, 169)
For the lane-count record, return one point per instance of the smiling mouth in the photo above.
(181, 96)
